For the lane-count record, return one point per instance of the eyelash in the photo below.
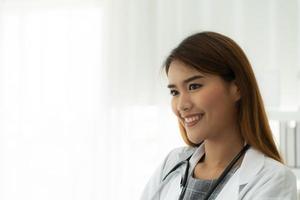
(175, 92)
(172, 92)
(195, 84)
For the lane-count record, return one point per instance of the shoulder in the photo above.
(278, 181)
(279, 171)
(257, 163)
(268, 179)
(272, 169)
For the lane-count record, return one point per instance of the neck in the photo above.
(220, 151)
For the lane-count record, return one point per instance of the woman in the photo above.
(231, 153)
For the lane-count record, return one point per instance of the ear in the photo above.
(235, 91)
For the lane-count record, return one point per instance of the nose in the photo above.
(184, 103)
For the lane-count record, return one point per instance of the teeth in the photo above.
(192, 119)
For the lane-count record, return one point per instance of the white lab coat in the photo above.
(258, 178)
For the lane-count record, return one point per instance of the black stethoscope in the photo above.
(183, 182)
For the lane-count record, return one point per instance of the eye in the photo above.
(173, 92)
(194, 86)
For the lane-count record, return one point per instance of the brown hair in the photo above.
(213, 53)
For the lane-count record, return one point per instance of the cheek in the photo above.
(214, 101)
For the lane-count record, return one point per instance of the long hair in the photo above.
(213, 53)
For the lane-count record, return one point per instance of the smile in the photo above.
(193, 120)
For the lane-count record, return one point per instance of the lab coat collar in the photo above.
(199, 152)
(185, 154)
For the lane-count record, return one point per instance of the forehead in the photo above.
(179, 70)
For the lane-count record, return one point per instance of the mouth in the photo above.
(191, 121)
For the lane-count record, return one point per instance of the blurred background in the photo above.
(84, 107)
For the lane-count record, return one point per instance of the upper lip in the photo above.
(191, 115)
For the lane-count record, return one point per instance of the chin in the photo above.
(195, 139)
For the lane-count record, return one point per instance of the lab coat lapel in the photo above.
(252, 163)
(230, 189)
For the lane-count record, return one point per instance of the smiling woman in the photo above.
(203, 103)
(231, 153)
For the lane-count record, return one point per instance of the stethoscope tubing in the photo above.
(183, 182)
(226, 171)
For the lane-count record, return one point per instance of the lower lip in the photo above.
(191, 124)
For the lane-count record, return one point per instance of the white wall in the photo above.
(84, 108)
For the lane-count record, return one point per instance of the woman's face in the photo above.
(204, 103)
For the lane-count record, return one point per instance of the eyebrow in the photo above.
(187, 80)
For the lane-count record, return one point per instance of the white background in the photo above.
(84, 109)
